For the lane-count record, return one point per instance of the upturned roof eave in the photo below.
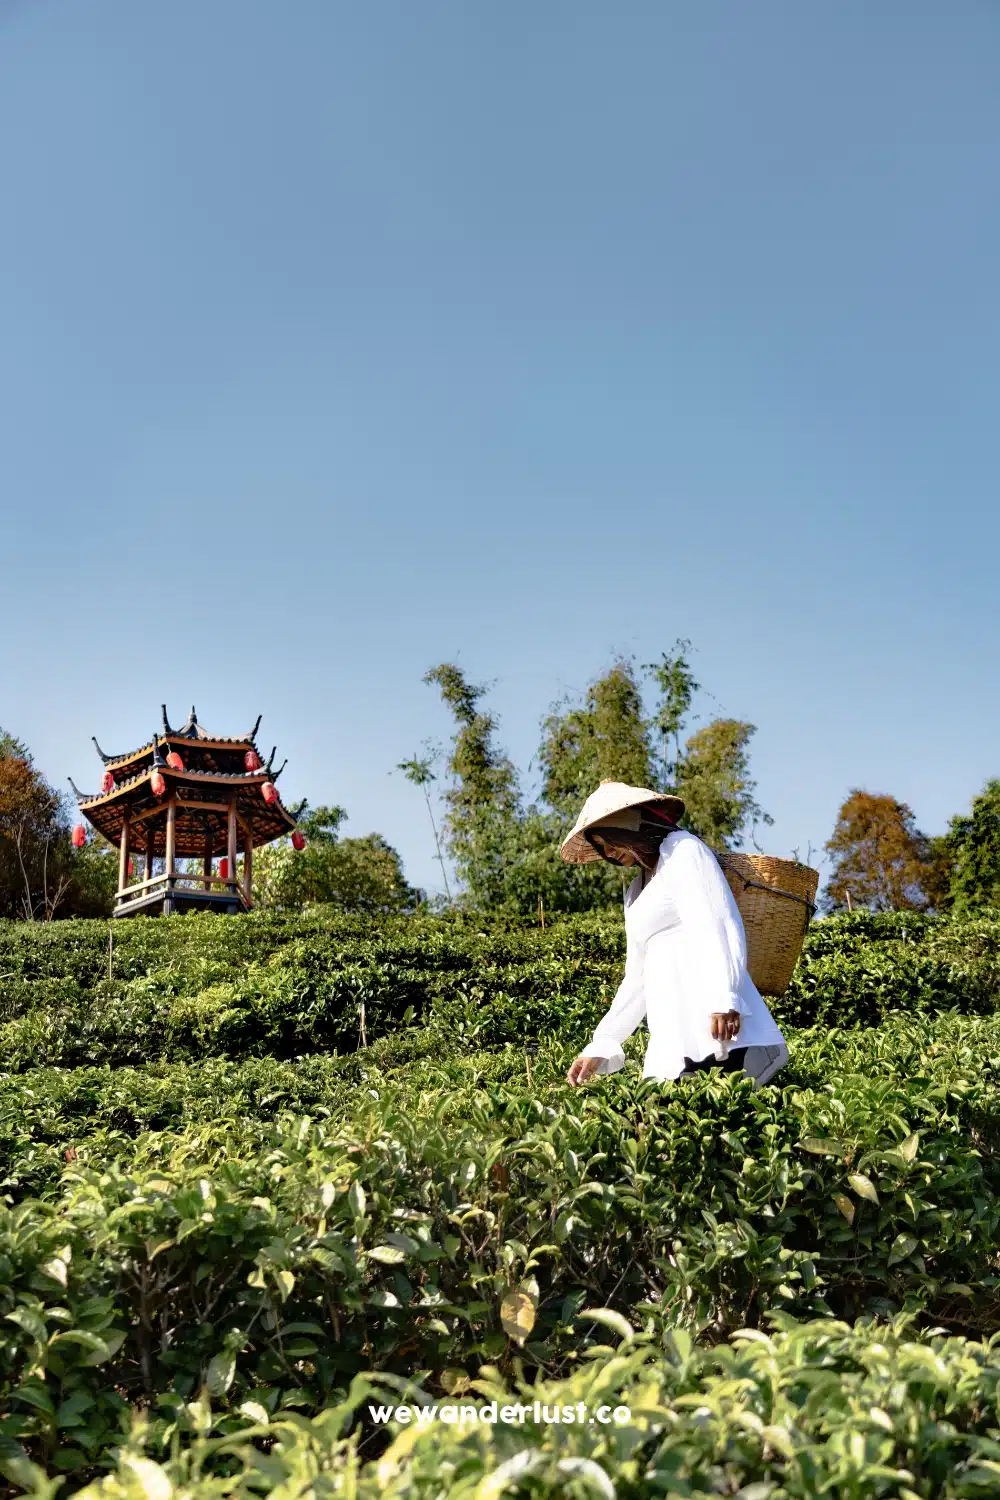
(124, 790)
(118, 763)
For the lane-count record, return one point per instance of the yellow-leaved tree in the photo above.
(881, 860)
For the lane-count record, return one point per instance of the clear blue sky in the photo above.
(338, 340)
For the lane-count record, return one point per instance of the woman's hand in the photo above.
(582, 1069)
(725, 1025)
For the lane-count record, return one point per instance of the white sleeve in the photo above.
(707, 909)
(622, 1016)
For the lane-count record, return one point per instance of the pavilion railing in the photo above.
(128, 893)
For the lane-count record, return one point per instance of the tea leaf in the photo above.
(517, 1312)
(845, 1205)
(863, 1186)
(902, 1246)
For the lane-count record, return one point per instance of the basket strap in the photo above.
(771, 889)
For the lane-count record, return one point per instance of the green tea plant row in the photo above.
(809, 1409)
(98, 1112)
(272, 1261)
(76, 994)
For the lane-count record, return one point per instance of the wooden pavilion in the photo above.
(187, 795)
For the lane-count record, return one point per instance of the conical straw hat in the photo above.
(613, 803)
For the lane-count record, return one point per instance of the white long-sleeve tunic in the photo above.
(686, 958)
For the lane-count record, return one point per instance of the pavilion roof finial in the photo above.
(157, 757)
(278, 772)
(270, 758)
(166, 722)
(80, 796)
(253, 733)
(100, 752)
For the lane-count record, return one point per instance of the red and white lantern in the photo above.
(157, 784)
(174, 761)
(298, 839)
(252, 761)
(107, 782)
(79, 836)
(269, 792)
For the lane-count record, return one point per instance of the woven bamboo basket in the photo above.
(775, 898)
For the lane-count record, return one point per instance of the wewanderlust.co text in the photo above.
(516, 1413)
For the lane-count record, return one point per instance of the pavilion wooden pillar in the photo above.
(150, 845)
(207, 867)
(123, 856)
(247, 864)
(233, 850)
(171, 863)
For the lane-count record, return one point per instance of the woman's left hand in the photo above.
(725, 1025)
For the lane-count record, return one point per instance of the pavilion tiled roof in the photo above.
(190, 730)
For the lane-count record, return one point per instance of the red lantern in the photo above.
(269, 792)
(79, 836)
(107, 782)
(224, 868)
(131, 868)
(298, 840)
(252, 761)
(174, 761)
(157, 785)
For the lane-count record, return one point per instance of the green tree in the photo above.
(606, 738)
(483, 800)
(418, 771)
(508, 854)
(353, 874)
(538, 880)
(609, 737)
(939, 870)
(713, 777)
(971, 851)
(95, 878)
(880, 856)
(677, 687)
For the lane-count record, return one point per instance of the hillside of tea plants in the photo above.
(262, 1175)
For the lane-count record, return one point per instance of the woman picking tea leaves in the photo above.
(686, 961)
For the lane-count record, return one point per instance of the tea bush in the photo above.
(273, 1261)
(811, 1409)
(102, 1109)
(221, 1212)
(74, 994)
